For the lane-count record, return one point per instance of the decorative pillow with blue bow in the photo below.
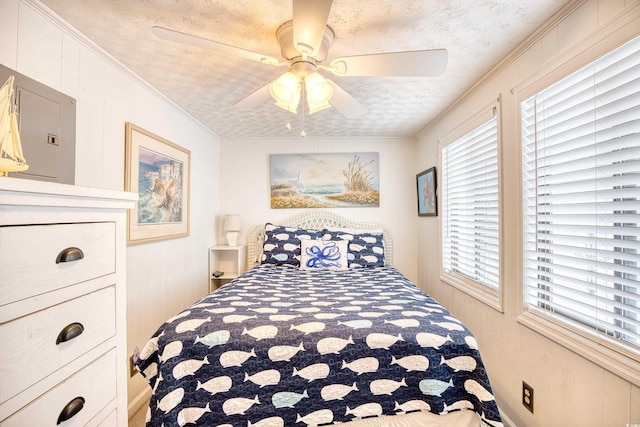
(324, 255)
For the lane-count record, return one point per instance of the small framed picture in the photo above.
(426, 185)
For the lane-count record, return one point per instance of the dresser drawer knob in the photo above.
(69, 332)
(69, 254)
(70, 409)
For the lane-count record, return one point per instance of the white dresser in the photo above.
(63, 358)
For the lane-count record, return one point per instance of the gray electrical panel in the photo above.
(47, 126)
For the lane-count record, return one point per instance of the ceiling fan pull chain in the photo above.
(304, 91)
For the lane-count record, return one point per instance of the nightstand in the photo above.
(228, 259)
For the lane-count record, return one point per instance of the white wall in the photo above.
(165, 276)
(569, 389)
(245, 185)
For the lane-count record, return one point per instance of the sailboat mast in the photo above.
(11, 155)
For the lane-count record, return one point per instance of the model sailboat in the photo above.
(11, 157)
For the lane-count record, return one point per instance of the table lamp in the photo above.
(232, 227)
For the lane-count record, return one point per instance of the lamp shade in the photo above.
(292, 106)
(318, 89)
(315, 107)
(232, 222)
(286, 91)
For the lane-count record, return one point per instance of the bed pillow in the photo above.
(282, 244)
(346, 233)
(324, 255)
(366, 247)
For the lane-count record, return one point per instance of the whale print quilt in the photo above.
(287, 347)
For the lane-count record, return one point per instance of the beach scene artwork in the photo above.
(160, 188)
(325, 180)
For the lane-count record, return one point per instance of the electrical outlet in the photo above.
(527, 396)
(132, 367)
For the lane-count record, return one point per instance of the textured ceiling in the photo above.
(476, 33)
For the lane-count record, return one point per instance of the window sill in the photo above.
(482, 293)
(604, 353)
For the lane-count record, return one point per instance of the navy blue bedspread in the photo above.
(287, 347)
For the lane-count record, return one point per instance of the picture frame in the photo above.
(159, 172)
(325, 180)
(426, 183)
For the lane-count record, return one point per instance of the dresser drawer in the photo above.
(28, 256)
(110, 421)
(95, 384)
(29, 350)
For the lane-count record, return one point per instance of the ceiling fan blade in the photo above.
(254, 99)
(346, 104)
(418, 63)
(309, 21)
(190, 39)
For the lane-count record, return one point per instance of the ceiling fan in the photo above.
(304, 44)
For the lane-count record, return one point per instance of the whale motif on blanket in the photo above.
(280, 346)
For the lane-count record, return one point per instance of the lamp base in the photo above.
(232, 238)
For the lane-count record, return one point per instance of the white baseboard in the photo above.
(506, 421)
(138, 402)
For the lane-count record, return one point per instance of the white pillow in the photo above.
(324, 255)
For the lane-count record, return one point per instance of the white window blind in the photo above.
(581, 197)
(470, 211)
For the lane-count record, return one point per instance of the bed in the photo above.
(321, 330)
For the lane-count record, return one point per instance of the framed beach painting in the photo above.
(158, 170)
(426, 186)
(325, 180)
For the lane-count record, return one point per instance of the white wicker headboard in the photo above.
(315, 220)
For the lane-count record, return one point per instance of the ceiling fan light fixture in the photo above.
(285, 89)
(319, 91)
(315, 107)
(291, 106)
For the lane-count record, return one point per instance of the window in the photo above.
(581, 202)
(470, 212)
